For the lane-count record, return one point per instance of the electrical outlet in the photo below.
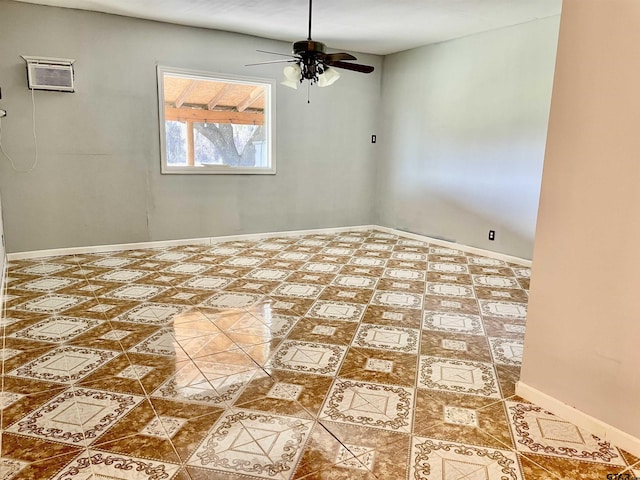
(492, 234)
(373, 139)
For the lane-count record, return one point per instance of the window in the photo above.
(215, 124)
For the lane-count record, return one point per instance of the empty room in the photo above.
(298, 239)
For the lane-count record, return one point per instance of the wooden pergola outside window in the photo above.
(215, 108)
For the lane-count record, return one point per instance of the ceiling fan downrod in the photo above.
(309, 36)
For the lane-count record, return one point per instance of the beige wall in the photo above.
(583, 327)
(2, 254)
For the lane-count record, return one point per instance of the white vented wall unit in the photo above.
(50, 73)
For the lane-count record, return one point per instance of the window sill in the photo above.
(217, 170)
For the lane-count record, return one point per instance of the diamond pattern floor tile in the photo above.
(356, 355)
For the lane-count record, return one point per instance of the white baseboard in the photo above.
(292, 233)
(55, 252)
(597, 427)
(259, 236)
(458, 246)
(175, 243)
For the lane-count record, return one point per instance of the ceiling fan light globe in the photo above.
(329, 77)
(290, 84)
(292, 75)
(292, 72)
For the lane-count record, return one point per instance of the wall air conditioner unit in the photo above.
(50, 73)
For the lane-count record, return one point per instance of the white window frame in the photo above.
(269, 123)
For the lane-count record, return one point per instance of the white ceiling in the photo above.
(370, 26)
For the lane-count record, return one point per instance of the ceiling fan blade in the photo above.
(276, 53)
(352, 66)
(335, 57)
(293, 60)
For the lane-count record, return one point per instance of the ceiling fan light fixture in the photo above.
(289, 83)
(328, 77)
(292, 75)
(309, 61)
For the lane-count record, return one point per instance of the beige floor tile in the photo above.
(439, 303)
(455, 345)
(285, 387)
(114, 335)
(164, 431)
(363, 268)
(630, 458)
(537, 431)
(565, 469)
(436, 257)
(504, 328)
(15, 468)
(508, 377)
(324, 331)
(392, 316)
(379, 406)
(251, 285)
(342, 294)
(450, 416)
(435, 458)
(379, 366)
(458, 278)
(509, 294)
(390, 284)
(407, 264)
(524, 283)
(338, 451)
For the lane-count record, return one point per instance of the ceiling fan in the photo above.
(311, 62)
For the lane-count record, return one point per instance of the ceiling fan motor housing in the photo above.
(311, 56)
(308, 46)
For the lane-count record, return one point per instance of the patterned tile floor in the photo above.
(357, 355)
